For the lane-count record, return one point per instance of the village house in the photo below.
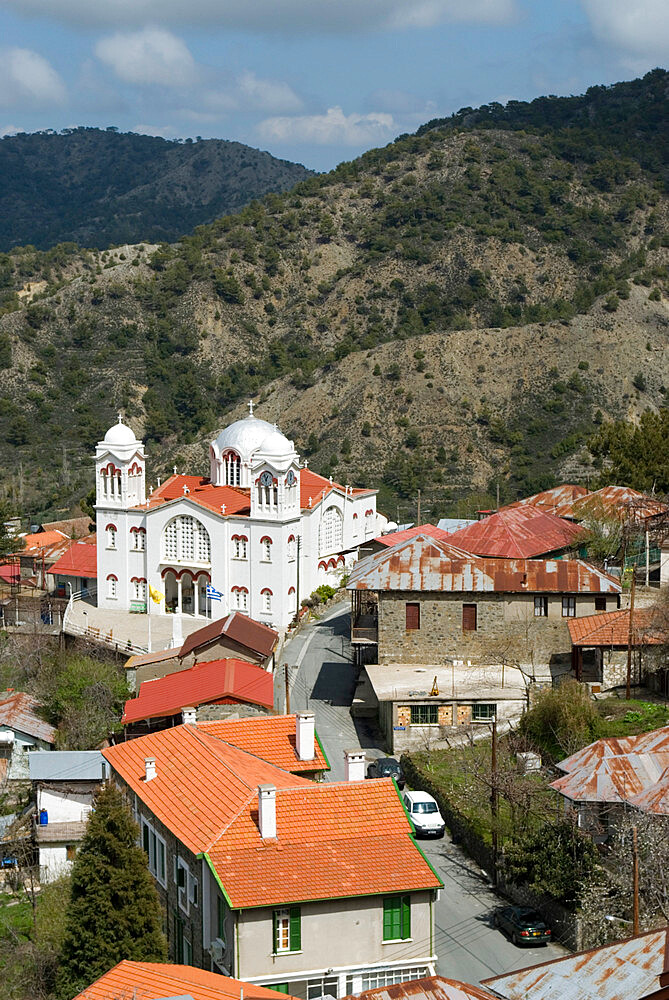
(261, 531)
(22, 731)
(64, 783)
(224, 687)
(75, 571)
(159, 980)
(600, 644)
(523, 532)
(427, 601)
(235, 635)
(611, 776)
(309, 888)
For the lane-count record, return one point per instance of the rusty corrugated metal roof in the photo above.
(624, 970)
(518, 532)
(423, 563)
(617, 501)
(557, 500)
(19, 712)
(634, 769)
(430, 988)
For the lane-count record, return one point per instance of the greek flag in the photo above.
(213, 594)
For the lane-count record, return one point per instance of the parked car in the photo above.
(523, 925)
(386, 767)
(424, 813)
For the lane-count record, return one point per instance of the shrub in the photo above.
(555, 860)
(562, 720)
(323, 593)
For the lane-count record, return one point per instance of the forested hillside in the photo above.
(100, 187)
(466, 305)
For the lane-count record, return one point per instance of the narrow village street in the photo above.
(322, 679)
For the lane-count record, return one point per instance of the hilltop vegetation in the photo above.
(464, 305)
(98, 187)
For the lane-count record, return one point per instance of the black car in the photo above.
(386, 767)
(523, 925)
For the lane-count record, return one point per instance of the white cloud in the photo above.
(638, 28)
(28, 80)
(149, 56)
(334, 127)
(9, 130)
(164, 131)
(295, 16)
(266, 95)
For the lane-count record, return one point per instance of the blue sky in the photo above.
(316, 81)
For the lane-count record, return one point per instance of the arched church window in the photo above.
(240, 598)
(232, 469)
(111, 536)
(266, 600)
(331, 530)
(112, 586)
(186, 540)
(266, 548)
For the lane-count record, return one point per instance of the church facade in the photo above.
(262, 529)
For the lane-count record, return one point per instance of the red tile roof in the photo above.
(79, 560)
(152, 980)
(422, 563)
(333, 840)
(260, 639)
(271, 739)
(10, 572)
(314, 487)
(202, 684)
(394, 537)
(200, 491)
(517, 533)
(430, 988)
(19, 712)
(612, 628)
(42, 540)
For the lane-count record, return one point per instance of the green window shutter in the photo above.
(145, 837)
(392, 918)
(406, 918)
(275, 931)
(295, 928)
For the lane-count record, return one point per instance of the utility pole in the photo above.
(635, 882)
(418, 515)
(630, 636)
(498, 494)
(287, 683)
(493, 798)
(297, 586)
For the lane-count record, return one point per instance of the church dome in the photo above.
(276, 445)
(120, 434)
(244, 436)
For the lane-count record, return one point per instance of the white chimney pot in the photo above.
(150, 768)
(355, 765)
(305, 726)
(189, 715)
(267, 811)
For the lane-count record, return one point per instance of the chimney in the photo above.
(304, 735)
(355, 765)
(267, 811)
(149, 768)
(189, 716)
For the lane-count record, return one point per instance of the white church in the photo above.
(262, 530)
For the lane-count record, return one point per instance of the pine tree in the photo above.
(114, 911)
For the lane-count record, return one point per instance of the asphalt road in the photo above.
(322, 679)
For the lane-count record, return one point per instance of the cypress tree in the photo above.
(114, 911)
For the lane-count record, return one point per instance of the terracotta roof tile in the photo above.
(612, 628)
(79, 560)
(202, 684)
(518, 532)
(272, 739)
(200, 491)
(152, 980)
(260, 639)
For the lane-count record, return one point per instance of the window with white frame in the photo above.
(154, 846)
(138, 589)
(112, 587)
(138, 537)
(232, 465)
(186, 540)
(569, 607)
(182, 877)
(266, 595)
(240, 543)
(331, 531)
(266, 549)
(292, 548)
(111, 536)
(292, 601)
(483, 712)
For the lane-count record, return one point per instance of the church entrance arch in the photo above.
(186, 593)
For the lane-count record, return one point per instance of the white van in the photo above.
(424, 814)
